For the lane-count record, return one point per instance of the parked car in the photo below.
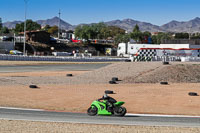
(76, 41)
(15, 52)
(53, 40)
(62, 54)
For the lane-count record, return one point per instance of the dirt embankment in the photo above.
(99, 76)
(140, 72)
(174, 73)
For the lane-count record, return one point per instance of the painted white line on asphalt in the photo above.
(157, 115)
(12, 108)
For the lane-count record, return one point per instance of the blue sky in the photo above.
(157, 12)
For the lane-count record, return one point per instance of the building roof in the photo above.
(33, 31)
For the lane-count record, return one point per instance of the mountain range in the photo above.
(127, 24)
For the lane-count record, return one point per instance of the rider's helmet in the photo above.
(105, 95)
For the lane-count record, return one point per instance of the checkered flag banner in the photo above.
(147, 52)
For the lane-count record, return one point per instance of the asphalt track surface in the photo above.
(57, 67)
(48, 116)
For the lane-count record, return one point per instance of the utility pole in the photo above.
(24, 50)
(59, 25)
(14, 40)
(190, 32)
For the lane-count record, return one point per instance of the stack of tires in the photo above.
(114, 80)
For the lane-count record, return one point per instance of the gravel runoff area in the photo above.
(99, 76)
(139, 72)
(5, 63)
(13, 126)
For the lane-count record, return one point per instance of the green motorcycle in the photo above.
(107, 106)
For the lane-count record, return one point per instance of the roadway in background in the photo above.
(55, 67)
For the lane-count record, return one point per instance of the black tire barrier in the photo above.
(193, 94)
(115, 79)
(127, 60)
(178, 60)
(109, 92)
(69, 75)
(112, 82)
(33, 86)
(164, 83)
(149, 58)
(165, 63)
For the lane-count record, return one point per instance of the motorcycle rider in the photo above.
(110, 101)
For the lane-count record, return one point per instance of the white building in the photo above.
(150, 50)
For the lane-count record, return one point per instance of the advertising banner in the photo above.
(182, 53)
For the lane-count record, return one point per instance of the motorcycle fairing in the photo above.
(101, 106)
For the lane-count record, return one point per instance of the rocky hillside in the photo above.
(55, 21)
(187, 26)
(11, 25)
(129, 24)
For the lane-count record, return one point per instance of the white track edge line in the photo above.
(158, 115)
(13, 108)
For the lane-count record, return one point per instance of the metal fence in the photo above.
(96, 59)
(57, 58)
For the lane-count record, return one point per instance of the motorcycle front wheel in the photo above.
(119, 111)
(92, 110)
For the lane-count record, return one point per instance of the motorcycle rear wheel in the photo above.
(92, 111)
(119, 111)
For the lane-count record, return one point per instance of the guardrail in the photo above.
(58, 58)
(95, 59)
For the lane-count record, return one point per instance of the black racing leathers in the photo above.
(110, 102)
